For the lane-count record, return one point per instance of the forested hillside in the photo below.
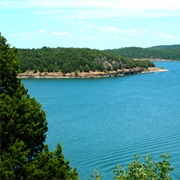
(74, 59)
(157, 52)
(177, 46)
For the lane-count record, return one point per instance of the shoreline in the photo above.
(90, 74)
(155, 59)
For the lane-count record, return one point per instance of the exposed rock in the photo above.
(90, 74)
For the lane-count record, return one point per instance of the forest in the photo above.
(168, 52)
(67, 60)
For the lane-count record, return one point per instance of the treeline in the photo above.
(157, 52)
(176, 46)
(74, 59)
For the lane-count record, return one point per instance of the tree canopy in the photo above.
(138, 170)
(74, 59)
(23, 126)
(157, 52)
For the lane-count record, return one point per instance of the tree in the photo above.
(9, 68)
(76, 73)
(149, 170)
(50, 165)
(23, 126)
(69, 60)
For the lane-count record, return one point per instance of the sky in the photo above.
(95, 24)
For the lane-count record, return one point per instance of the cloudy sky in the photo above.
(98, 24)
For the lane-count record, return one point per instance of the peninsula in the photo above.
(78, 63)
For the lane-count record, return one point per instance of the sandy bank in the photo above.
(90, 74)
(154, 69)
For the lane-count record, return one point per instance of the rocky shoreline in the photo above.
(90, 74)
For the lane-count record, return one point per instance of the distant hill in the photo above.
(176, 46)
(169, 52)
(74, 59)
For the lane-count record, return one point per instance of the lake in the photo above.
(104, 122)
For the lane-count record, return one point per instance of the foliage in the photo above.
(21, 116)
(156, 52)
(96, 175)
(74, 59)
(50, 165)
(149, 170)
(176, 46)
(23, 126)
(9, 68)
(146, 170)
(76, 73)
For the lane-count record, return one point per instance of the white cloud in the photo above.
(115, 37)
(60, 34)
(134, 32)
(108, 4)
(105, 13)
(110, 29)
(87, 26)
(41, 30)
(85, 9)
(167, 36)
(106, 29)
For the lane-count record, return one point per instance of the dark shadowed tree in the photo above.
(23, 126)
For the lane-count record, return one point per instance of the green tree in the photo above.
(21, 116)
(71, 59)
(76, 73)
(23, 126)
(147, 170)
(9, 68)
(137, 170)
(50, 165)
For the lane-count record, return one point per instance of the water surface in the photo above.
(104, 122)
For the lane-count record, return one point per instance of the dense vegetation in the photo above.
(177, 46)
(74, 59)
(23, 125)
(156, 52)
(136, 170)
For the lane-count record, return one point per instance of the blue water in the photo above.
(104, 122)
